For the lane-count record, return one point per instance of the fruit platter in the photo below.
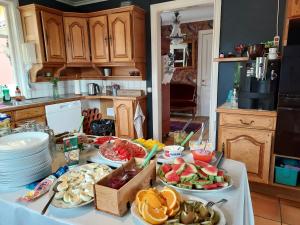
(121, 150)
(197, 176)
(167, 206)
(76, 187)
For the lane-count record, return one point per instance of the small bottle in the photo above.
(234, 99)
(6, 95)
(18, 94)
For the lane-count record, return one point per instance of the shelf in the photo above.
(231, 59)
(288, 157)
(297, 188)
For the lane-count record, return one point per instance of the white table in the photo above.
(238, 210)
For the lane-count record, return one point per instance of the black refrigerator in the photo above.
(287, 139)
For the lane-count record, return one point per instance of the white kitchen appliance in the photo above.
(64, 117)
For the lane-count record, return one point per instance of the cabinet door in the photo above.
(252, 147)
(124, 118)
(99, 39)
(294, 8)
(76, 33)
(54, 37)
(120, 37)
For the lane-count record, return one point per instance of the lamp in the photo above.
(176, 35)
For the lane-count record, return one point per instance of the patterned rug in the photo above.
(178, 125)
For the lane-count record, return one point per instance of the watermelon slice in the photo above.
(210, 186)
(202, 174)
(186, 185)
(188, 175)
(200, 164)
(210, 170)
(178, 168)
(190, 167)
(221, 173)
(166, 168)
(179, 160)
(172, 177)
(222, 184)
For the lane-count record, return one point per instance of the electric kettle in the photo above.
(94, 89)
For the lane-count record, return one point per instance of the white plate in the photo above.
(60, 203)
(230, 184)
(136, 215)
(123, 161)
(23, 141)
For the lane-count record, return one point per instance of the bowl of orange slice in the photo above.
(167, 206)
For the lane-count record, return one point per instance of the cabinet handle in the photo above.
(106, 40)
(246, 123)
(110, 39)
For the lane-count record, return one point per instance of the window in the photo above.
(12, 69)
(7, 69)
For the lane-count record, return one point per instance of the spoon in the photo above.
(50, 200)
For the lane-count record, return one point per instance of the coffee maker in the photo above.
(259, 81)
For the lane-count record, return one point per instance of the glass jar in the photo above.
(55, 91)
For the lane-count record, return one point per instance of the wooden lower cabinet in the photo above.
(247, 135)
(250, 146)
(124, 117)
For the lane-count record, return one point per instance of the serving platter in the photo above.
(137, 216)
(83, 169)
(230, 184)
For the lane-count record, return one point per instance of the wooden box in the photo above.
(117, 202)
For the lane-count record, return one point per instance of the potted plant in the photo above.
(54, 82)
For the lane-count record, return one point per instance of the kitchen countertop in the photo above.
(34, 102)
(226, 108)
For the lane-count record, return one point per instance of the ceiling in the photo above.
(191, 14)
(79, 2)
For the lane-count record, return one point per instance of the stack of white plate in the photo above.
(24, 158)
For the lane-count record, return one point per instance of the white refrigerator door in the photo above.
(64, 116)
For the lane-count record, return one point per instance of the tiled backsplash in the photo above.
(67, 87)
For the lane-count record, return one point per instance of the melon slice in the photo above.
(210, 170)
(200, 164)
(179, 160)
(165, 168)
(178, 168)
(172, 177)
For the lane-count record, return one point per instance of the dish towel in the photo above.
(139, 119)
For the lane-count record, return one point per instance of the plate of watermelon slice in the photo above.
(195, 177)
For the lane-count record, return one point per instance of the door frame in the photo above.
(199, 80)
(155, 11)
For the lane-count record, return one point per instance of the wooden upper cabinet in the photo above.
(252, 147)
(99, 39)
(53, 31)
(77, 40)
(120, 37)
(124, 118)
(293, 8)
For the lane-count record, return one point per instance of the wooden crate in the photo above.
(117, 202)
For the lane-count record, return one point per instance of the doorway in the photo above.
(156, 10)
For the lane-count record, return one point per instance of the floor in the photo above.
(198, 119)
(275, 211)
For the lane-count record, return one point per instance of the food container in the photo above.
(71, 150)
(117, 201)
(179, 137)
(203, 155)
(4, 120)
(173, 151)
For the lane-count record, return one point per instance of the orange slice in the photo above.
(152, 199)
(139, 196)
(154, 215)
(172, 212)
(170, 196)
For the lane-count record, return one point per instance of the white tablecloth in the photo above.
(238, 210)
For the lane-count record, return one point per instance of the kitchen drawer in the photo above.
(248, 121)
(25, 114)
(39, 120)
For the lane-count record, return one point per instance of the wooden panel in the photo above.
(77, 42)
(39, 120)
(120, 37)
(32, 31)
(249, 121)
(138, 29)
(293, 8)
(54, 37)
(99, 39)
(165, 88)
(29, 113)
(124, 118)
(252, 147)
